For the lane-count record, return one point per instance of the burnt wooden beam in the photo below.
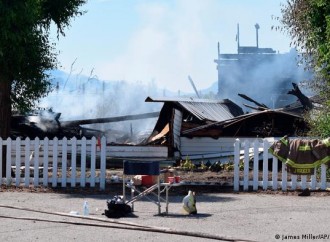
(302, 98)
(255, 108)
(251, 100)
(109, 120)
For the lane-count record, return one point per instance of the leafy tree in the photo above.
(26, 52)
(308, 23)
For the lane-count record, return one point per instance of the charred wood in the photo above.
(112, 119)
(307, 104)
(253, 101)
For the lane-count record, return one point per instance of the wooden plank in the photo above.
(236, 165)
(136, 148)
(313, 180)
(293, 182)
(303, 182)
(211, 155)
(8, 165)
(206, 141)
(83, 163)
(45, 162)
(162, 133)
(27, 162)
(18, 161)
(55, 160)
(275, 173)
(202, 145)
(205, 150)
(36, 163)
(211, 140)
(186, 146)
(177, 122)
(246, 165)
(103, 163)
(162, 153)
(73, 162)
(93, 162)
(1, 144)
(284, 178)
(216, 143)
(64, 162)
(255, 165)
(323, 177)
(265, 166)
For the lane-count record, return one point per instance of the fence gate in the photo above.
(54, 162)
(257, 168)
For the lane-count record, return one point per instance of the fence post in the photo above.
(303, 181)
(293, 182)
(265, 166)
(36, 162)
(55, 160)
(18, 161)
(284, 177)
(103, 163)
(74, 162)
(236, 164)
(27, 162)
(93, 161)
(8, 160)
(323, 177)
(64, 160)
(1, 150)
(313, 180)
(256, 165)
(246, 165)
(83, 163)
(275, 173)
(45, 162)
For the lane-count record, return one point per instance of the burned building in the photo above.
(261, 73)
(193, 126)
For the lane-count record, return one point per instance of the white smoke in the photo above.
(78, 97)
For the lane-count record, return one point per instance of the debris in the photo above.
(305, 193)
(307, 104)
(251, 100)
(117, 208)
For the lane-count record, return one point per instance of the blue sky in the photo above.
(165, 40)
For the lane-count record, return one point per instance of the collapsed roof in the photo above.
(202, 109)
(266, 123)
(222, 118)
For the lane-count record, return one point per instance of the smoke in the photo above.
(266, 81)
(79, 97)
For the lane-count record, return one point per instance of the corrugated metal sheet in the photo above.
(181, 99)
(210, 111)
(241, 118)
(203, 109)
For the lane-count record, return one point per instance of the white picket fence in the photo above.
(54, 162)
(255, 154)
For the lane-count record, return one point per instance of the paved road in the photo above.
(258, 217)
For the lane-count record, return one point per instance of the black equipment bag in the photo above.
(117, 208)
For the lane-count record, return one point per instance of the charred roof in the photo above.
(203, 109)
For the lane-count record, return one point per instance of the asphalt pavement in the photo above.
(230, 216)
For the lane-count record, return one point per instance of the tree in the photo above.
(308, 23)
(26, 53)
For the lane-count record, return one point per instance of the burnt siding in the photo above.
(177, 128)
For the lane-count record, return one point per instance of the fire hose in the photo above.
(119, 224)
